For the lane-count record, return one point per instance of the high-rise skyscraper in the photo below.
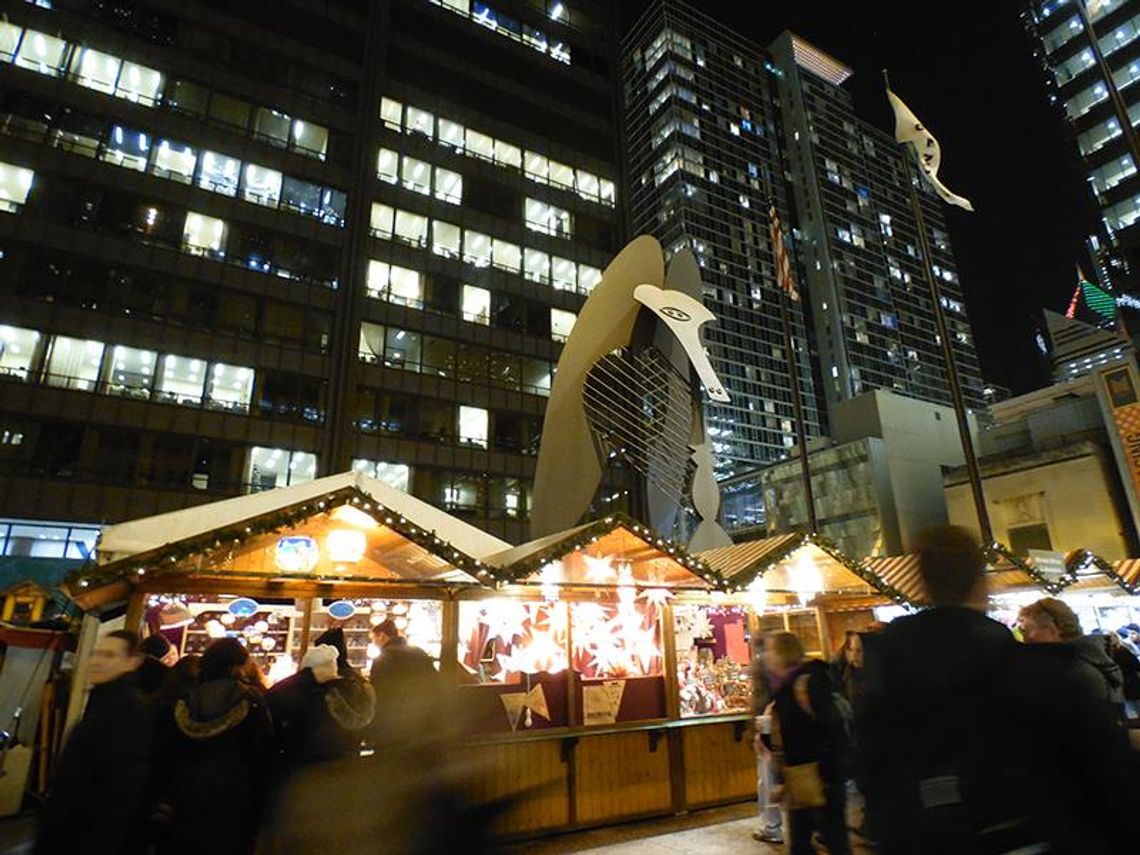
(246, 244)
(1091, 56)
(716, 125)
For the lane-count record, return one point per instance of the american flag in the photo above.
(784, 276)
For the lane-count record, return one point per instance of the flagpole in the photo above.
(972, 468)
(797, 397)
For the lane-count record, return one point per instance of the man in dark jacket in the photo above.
(96, 800)
(407, 688)
(930, 751)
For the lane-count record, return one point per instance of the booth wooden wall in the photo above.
(582, 777)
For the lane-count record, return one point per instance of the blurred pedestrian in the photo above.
(1051, 621)
(406, 684)
(221, 757)
(1129, 667)
(928, 734)
(771, 818)
(96, 799)
(807, 742)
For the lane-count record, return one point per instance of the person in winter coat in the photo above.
(221, 756)
(335, 637)
(771, 817)
(1051, 621)
(928, 724)
(95, 802)
(406, 685)
(317, 714)
(807, 744)
(1129, 667)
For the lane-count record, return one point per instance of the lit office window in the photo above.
(588, 278)
(548, 219)
(395, 475)
(15, 184)
(229, 387)
(537, 167)
(181, 380)
(473, 424)
(448, 185)
(561, 174)
(588, 185)
(506, 255)
(388, 166)
(272, 126)
(9, 40)
(411, 228)
(536, 376)
(310, 138)
(451, 134)
(463, 7)
(536, 266)
(130, 372)
(174, 161)
(476, 248)
(445, 239)
(139, 84)
(74, 363)
(561, 323)
(416, 175)
(301, 196)
(371, 347)
(219, 173)
(476, 305)
(382, 220)
(17, 351)
(480, 145)
(127, 148)
(395, 284)
(392, 114)
(261, 185)
(203, 235)
(270, 468)
(420, 122)
(402, 350)
(95, 70)
(508, 155)
(41, 53)
(563, 274)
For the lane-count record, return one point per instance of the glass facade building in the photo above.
(716, 126)
(1091, 56)
(246, 245)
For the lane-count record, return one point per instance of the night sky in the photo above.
(971, 77)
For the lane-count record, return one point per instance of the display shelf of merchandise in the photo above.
(713, 656)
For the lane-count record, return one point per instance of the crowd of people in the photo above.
(199, 754)
(958, 738)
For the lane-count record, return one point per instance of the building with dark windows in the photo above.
(243, 245)
(1091, 56)
(716, 126)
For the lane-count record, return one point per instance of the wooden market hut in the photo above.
(1005, 573)
(288, 554)
(611, 744)
(804, 584)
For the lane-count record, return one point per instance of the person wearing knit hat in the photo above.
(335, 637)
(321, 660)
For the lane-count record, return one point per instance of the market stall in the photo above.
(1100, 593)
(584, 646)
(803, 584)
(277, 568)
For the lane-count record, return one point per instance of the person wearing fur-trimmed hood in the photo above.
(317, 714)
(221, 756)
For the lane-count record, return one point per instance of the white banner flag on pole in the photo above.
(908, 129)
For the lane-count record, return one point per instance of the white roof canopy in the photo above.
(142, 535)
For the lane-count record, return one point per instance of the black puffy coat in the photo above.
(222, 756)
(95, 803)
(319, 721)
